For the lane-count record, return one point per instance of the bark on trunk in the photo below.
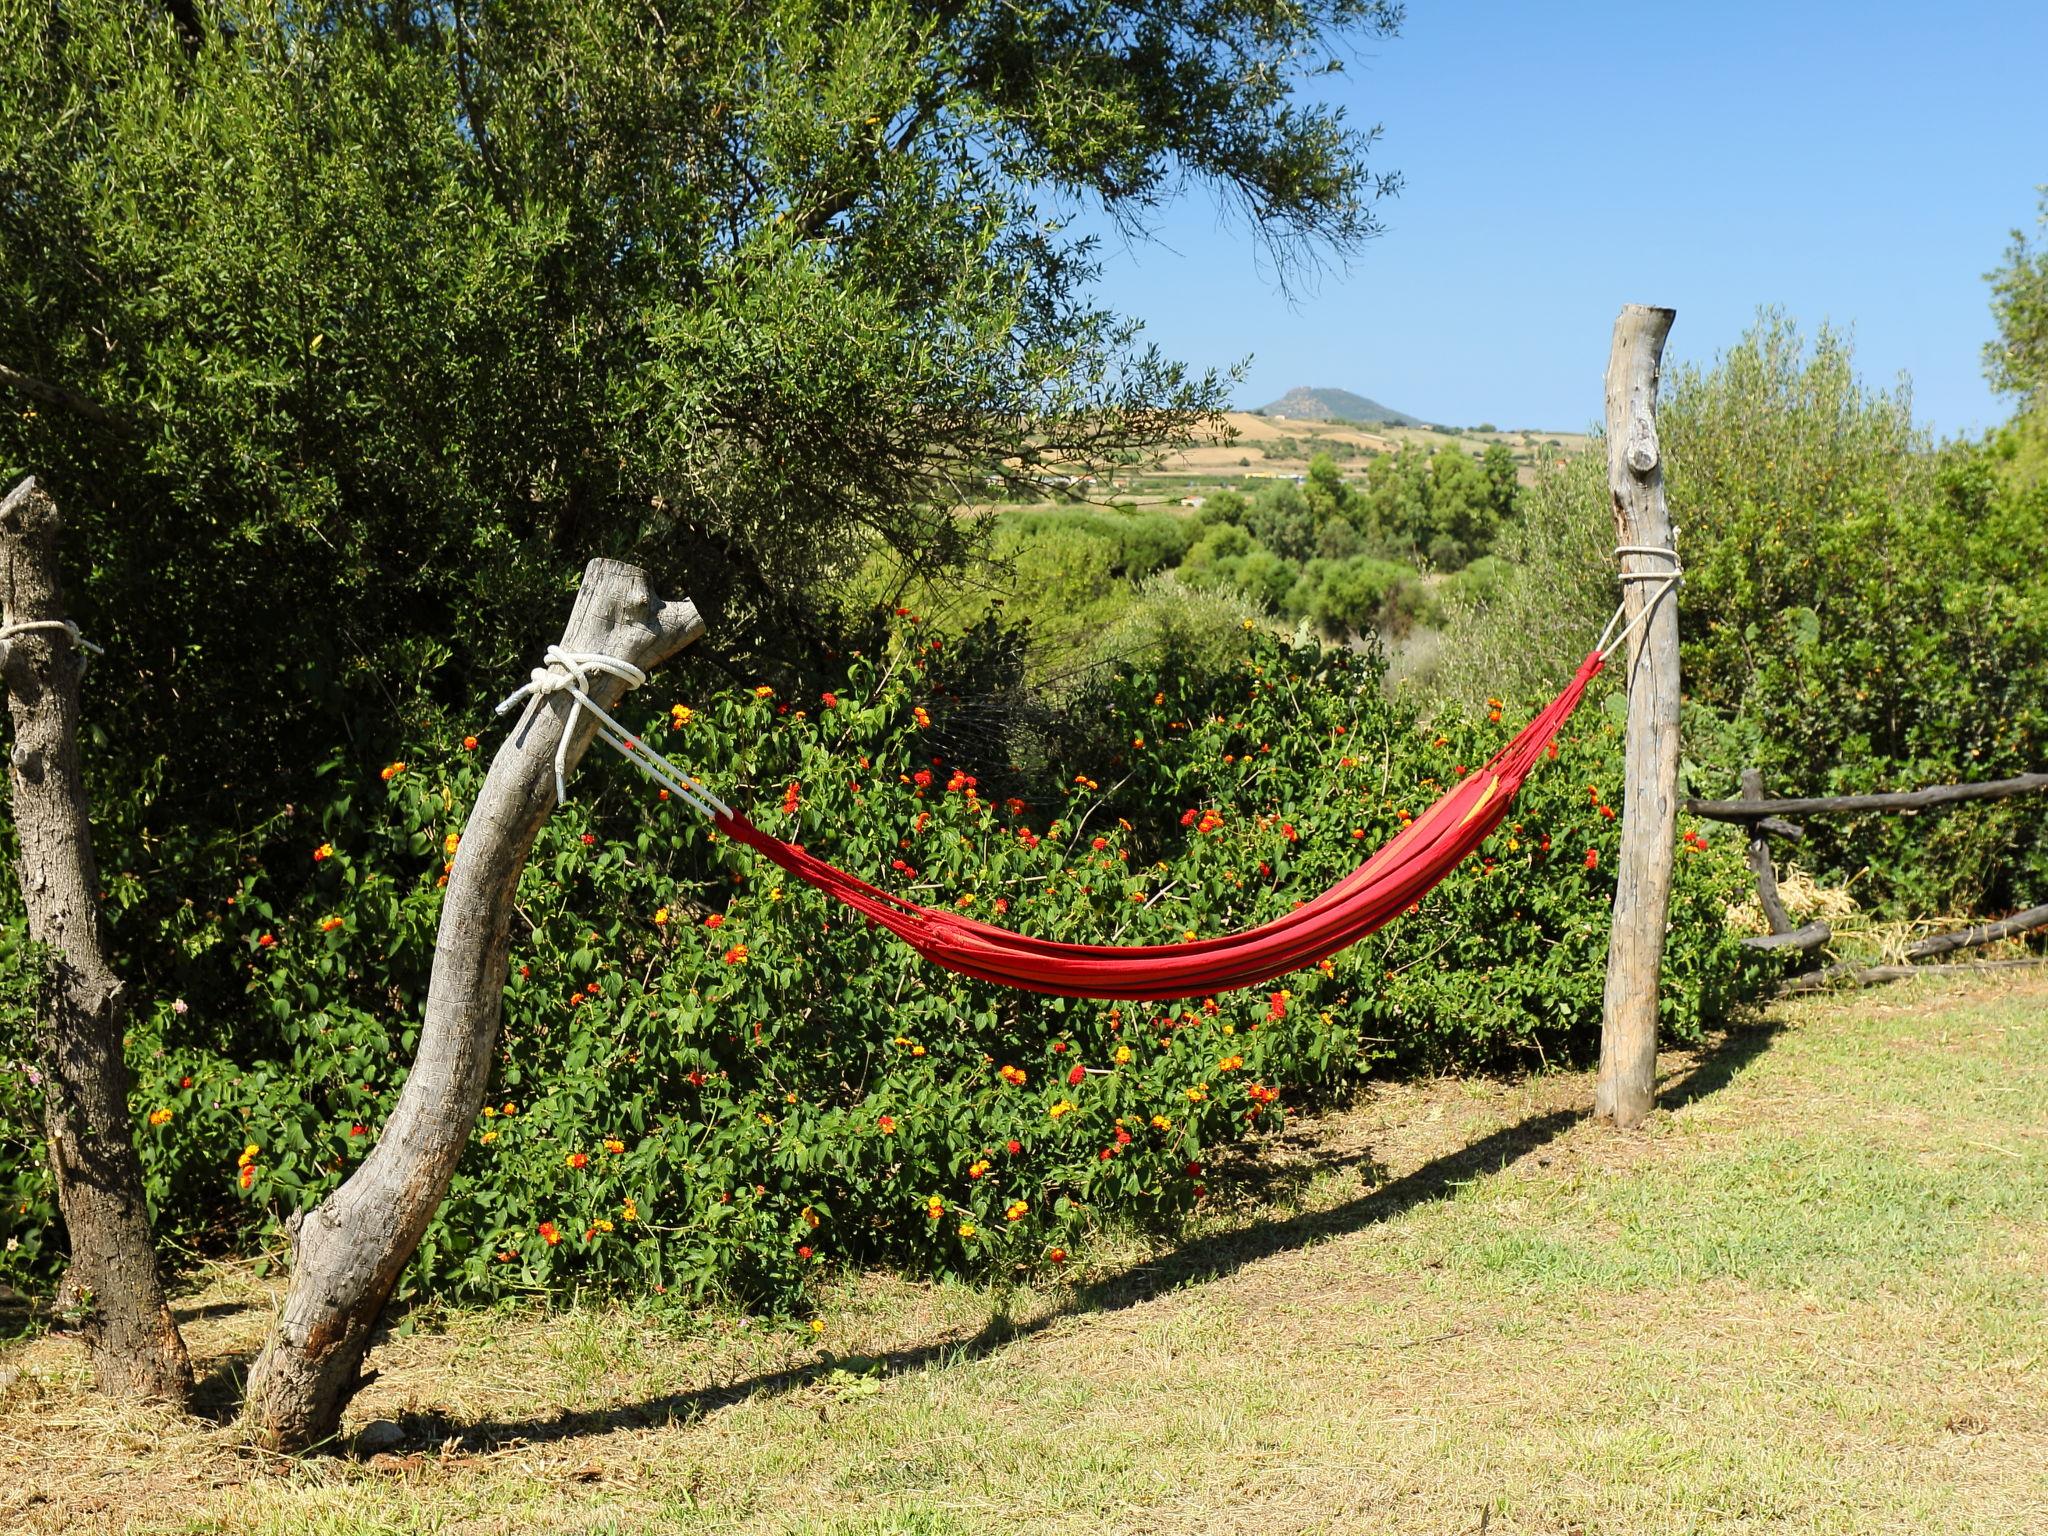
(351, 1249)
(1649, 818)
(134, 1343)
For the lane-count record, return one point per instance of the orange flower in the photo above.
(324, 851)
(886, 1125)
(578, 1159)
(1014, 1076)
(1017, 1211)
(391, 771)
(764, 692)
(737, 955)
(160, 1116)
(266, 941)
(934, 1208)
(550, 1233)
(630, 1210)
(614, 1146)
(661, 917)
(469, 743)
(329, 924)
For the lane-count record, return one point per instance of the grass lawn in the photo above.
(1811, 1296)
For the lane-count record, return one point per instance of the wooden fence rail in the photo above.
(1764, 819)
(1898, 800)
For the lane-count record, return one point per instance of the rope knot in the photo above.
(569, 672)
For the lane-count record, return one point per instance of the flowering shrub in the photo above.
(711, 1079)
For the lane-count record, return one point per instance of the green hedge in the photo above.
(711, 1080)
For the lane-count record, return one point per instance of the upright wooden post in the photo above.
(351, 1247)
(1649, 817)
(82, 1014)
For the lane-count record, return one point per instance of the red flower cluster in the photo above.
(789, 798)
(1078, 1076)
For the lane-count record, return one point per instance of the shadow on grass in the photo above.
(1198, 1261)
(1718, 1065)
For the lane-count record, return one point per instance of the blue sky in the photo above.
(1862, 164)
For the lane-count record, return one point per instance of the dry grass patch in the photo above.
(1807, 1297)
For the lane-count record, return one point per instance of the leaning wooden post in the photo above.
(134, 1342)
(1649, 816)
(350, 1250)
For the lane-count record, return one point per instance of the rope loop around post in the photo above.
(569, 672)
(1672, 579)
(27, 626)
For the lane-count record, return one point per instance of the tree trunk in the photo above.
(134, 1343)
(1649, 816)
(351, 1249)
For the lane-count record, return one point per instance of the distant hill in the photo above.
(1302, 404)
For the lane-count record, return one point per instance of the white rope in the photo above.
(569, 672)
(1672, 579)
(66, 625)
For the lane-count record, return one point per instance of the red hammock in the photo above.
(1393, 879)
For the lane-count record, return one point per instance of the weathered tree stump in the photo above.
(134, 1343)
(352, 1247)
(1649, 817)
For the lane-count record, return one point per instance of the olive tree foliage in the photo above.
(380, 320)
(2016, 361)
(1767, 452)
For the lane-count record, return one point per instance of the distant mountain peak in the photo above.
(1305, 404)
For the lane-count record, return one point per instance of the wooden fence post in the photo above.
(1649, 820)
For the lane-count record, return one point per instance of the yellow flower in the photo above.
(1018, 1211)
(614, 1146)
(160, 1116)
(603, 1223)
(391, 771)
(1198, 1093)
(661, 917)
(934, 1208)
(1230, 1064)
(764, 692)
(817, 1325)
(1161, 1123)
(490, 1110)
(680, 714)
(630, 1211)
(1059, 1109)
(488, 1137)
(967, 1229)
(917, 1050)
(1123, 1055)
(451, 842)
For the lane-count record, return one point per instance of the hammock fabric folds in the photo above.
(1393, 879)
